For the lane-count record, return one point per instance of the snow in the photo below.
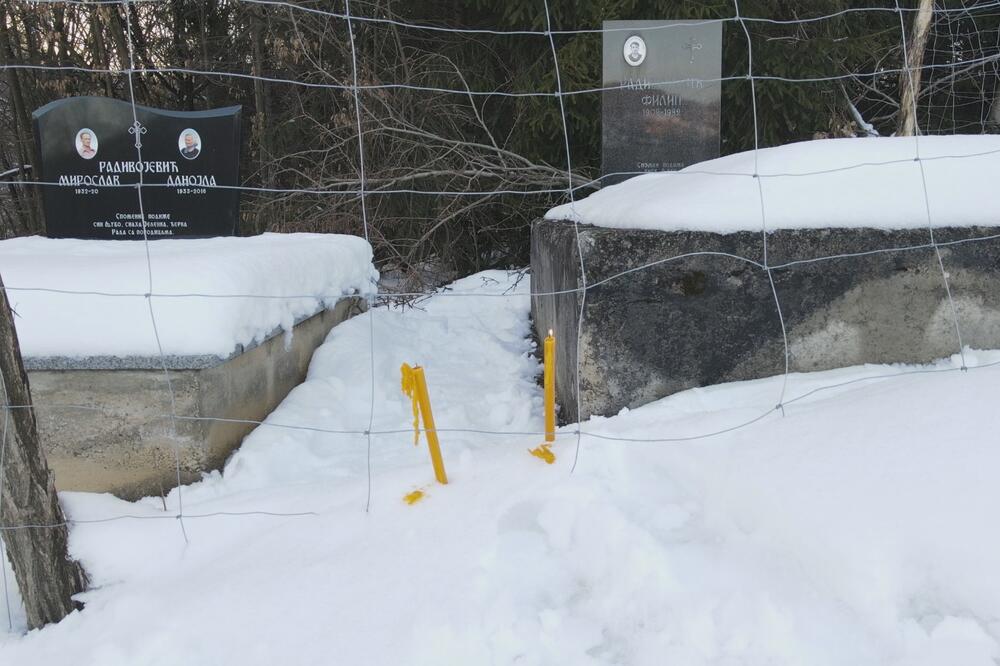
(320, 267)
(856, 528)
(832, 183)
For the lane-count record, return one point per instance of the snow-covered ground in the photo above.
(870, 182)
(321, 267)
(857, 528)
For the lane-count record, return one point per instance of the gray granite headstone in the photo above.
(649, 123)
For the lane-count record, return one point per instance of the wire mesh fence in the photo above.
(367, 193)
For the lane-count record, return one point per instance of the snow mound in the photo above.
(870, 182)
(474, 343)
(856, 527)
(321, 268)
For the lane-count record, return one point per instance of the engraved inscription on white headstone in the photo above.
(634, 50)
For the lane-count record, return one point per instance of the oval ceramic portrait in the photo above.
(189, 144)
(634, 50)
(86, 143)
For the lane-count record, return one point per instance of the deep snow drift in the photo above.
(857, 528)
(320, 267)
(870, 182)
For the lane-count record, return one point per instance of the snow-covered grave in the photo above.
(684, 283)
(856, 528)
(236, 322)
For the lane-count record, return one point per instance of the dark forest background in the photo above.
(304, 137)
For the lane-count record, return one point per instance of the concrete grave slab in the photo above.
(671, 310)
(105, 421)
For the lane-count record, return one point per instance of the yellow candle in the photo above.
(414, 385)
(549, 379)
(429, 428)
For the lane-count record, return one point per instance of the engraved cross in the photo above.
(138, 130)
(692, 46)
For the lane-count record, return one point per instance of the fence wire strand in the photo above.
(466, 92)
(364, 220)
(923, 188)
(138, 130)
(585, 185)
(760, 198)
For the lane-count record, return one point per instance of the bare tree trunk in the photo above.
(909, 78)
(37, 537)
(32, 214)
(260, 119)
(101, 50)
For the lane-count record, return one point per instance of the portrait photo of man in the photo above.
(86, 143)
(189, 144)
(635, 50)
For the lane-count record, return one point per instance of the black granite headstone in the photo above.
(650, 124)
(90, 162)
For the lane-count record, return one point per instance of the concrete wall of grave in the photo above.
(711, 318)
(125, 445)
